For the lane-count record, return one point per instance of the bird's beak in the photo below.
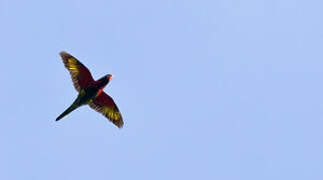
(110, 77)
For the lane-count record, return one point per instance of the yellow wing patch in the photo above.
(111, 113)
(72, 65)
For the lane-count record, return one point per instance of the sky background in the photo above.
(209, 89)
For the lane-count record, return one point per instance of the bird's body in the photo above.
(90, 91)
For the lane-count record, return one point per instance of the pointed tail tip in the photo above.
(58, 118)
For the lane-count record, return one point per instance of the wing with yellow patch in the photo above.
(81, 76)
(106, 106)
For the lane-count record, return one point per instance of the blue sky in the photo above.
(209, 89)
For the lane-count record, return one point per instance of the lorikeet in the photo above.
(90, 91)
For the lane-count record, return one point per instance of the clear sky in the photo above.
(209, 89)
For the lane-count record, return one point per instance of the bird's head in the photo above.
(104, 80)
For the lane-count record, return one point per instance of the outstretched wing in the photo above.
(106, 106)
(81, 76)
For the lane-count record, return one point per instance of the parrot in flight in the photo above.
(90, 91)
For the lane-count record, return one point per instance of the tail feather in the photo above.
(68, 110)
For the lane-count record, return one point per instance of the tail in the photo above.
(68, 110)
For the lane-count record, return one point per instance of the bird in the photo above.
(90, 92)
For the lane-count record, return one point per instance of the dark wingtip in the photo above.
(64, 54)
(118, 123)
